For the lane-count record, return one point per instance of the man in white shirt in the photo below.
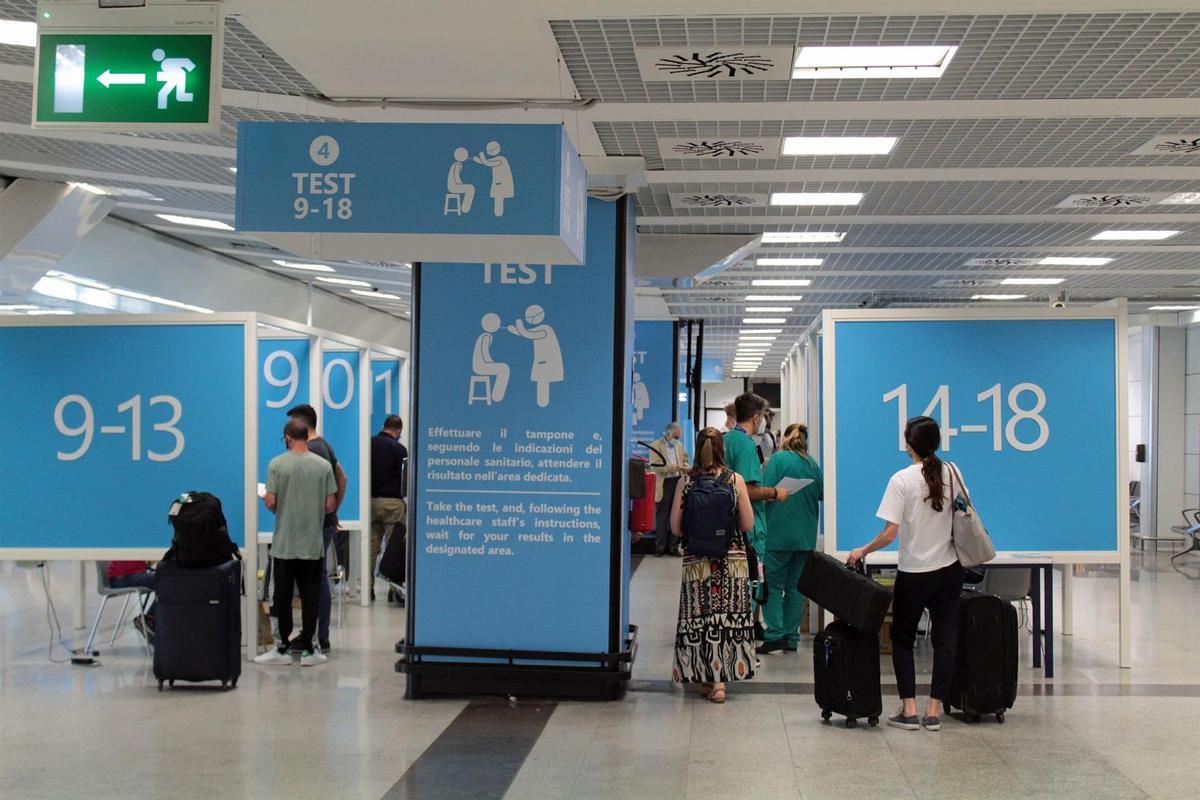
(669, 461)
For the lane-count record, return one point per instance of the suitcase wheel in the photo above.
(160, 685)
(873, 721)
(224, 685)
(826, 715)
(233, 684)
(171, 683)
(1000, 717)
(851, 722)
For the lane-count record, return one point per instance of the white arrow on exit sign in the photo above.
(108, 78)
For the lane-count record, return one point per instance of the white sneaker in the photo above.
(311, 658)
(273, 656)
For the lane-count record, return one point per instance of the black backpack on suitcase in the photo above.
(846, 674)
(201, 534)
(985, 681)
(846, 593)
(198, 629)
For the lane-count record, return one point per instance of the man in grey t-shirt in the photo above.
(300, 490)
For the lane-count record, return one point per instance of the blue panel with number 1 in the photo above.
(385, 390)
(282, 383)
(339, 424)
(1028, 413)
(108, 424)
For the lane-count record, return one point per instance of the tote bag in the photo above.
(971, 539)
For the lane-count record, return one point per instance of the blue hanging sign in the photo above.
(470, 192)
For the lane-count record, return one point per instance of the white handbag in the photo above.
(971, 539)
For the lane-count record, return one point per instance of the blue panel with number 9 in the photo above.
(1028, 413)
(108, 424)
(340, 422)
(282, 383)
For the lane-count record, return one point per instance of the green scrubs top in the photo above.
(741, 456)
(792, 524)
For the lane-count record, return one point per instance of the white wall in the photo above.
(1191, 472)
(139, 259)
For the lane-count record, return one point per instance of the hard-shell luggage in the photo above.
(199, 624)
(394, 560)
(846, 674)
(844, 592)
(985, 681)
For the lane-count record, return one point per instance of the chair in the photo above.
(477, 380)
(106, 591)
(453, 204)
(1010, 585)
(1190, 528)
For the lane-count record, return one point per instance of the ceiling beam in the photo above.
(120, 140)
(983, 249)
(116, 177)
(1089, 218)
(1106, 175)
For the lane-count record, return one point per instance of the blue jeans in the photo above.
(325, 603)
(145, 579)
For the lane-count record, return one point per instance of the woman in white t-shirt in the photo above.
(917, 507)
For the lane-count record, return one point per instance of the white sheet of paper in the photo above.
(262, 490)
(793, 485)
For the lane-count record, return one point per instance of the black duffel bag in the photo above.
(845, 592)
(201, 534)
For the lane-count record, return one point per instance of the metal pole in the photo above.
(309, 316)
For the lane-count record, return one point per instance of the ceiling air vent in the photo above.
(1112, 200)
(1001, 262)
(1172, 144)
(718, 200)
(967, 283)
(719, 147)
(714, 63)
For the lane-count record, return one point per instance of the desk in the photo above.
(1041, 594)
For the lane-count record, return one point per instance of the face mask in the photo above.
(762, 426)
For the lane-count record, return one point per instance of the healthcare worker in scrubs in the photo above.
(791, 536)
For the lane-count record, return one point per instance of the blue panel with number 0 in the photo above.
(108, 424)
(282, 383)
(340, 422)
(1028, 411)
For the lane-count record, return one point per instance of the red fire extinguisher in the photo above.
(641, 516)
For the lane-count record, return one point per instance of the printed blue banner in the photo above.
(516, 453)
(652, 400)
(282, 383)
(339, 423)
(1027, 410)
(112, 423)
(385, 391)
(444, 192)
(712, 371)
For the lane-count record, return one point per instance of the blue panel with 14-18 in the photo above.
(471, 192)
(111, 423)
(1027, 409)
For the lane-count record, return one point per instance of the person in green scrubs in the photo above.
(791, 536)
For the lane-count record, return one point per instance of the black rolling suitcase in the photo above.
(846, 674)
(846, 593)
(985, 681)
(199, 624)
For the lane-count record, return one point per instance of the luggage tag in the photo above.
(174, 512)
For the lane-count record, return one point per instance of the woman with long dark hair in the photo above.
(917, 507)
(714, 639)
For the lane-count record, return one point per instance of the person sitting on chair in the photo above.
(123, 575)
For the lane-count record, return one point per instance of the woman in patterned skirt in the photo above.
(714, 641)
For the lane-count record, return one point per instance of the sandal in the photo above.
(706, 689)
(717, 696)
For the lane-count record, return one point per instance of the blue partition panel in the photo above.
(1028, 411)
(385, 391)
(110, 423)
(339, 422)
(283, 381)
(652, 401)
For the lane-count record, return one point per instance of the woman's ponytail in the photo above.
(931, 469)
(924, 438)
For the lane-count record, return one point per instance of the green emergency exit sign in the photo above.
(126, 81)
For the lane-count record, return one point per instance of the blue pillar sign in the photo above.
(1027, 408)
(385, 391)
(519, 511)
(652, 398)
(340, 423)
(283, 381)
(471, 192)
(113, 422)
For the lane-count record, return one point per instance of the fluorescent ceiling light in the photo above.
(805, 237)
(279, 262)
(118, 191)
(162, 301)
(771, 298)
(49, 312)
(789, 262)
(1181, 199)
(762, 330)
(837, 145)
(17, 307)
(21, 34)
(750, 338)
(1076, 261)
(872, 62)
(196, 222)
(342, 281)
(233, 170)
(816, 198)
(1174, 308)
(1134, 235)
(76, 279)
(1032, 281)
(780, 282)
(998, 297)
(87, 187)
(376, 295)
(764, 321)
(768, 310)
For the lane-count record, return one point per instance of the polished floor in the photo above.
(342, 730)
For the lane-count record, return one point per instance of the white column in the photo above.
(79, 607)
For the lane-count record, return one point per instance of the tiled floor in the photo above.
(343, 730)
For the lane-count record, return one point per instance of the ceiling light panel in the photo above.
(343, 281)
(764, 321)
(1134, 235)
(998, 297)
(754, 298)
(780, 282)
(1174, 308)
(1032, 281)
(789, 262)
(768, 310)
(816, 198)
(195, 222)
(300, 265)
(375, 295)
(1076, 261)
(838, 145)
(1181, 199)
(802, 237)
(18, 34)
(818, 62)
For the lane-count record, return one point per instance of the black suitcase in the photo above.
(844, 592)
(393, 563)
(846, 674)
(985, 681)
(199, 624)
